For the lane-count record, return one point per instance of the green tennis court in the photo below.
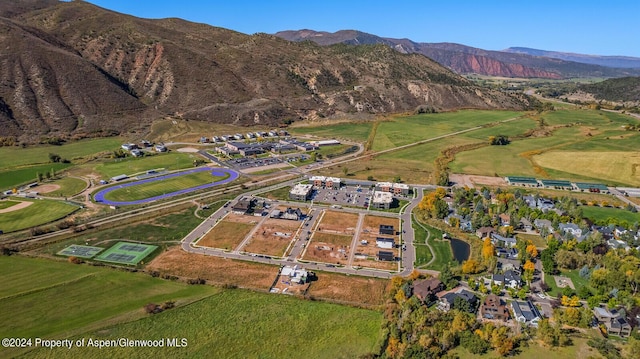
(126, 253)
(79, 251)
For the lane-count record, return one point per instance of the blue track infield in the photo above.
(233, 175)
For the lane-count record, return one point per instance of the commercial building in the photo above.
(301, 192)
(382, 200)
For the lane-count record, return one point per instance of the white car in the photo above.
(541, 296)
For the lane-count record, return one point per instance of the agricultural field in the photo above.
(33, 288)
(356, 131)
(33, 213)
(91, 312)
(230, 325)
(11, 157)
(408, 129)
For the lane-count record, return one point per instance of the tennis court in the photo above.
(126, 253)
(79, 251)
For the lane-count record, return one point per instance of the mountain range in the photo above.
(75, 69)
(513, 62)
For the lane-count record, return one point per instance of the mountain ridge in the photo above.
(465, 59)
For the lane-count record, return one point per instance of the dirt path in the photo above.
(16, 207)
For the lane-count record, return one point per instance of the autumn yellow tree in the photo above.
(532, 251)
(529, 267)
(488, 250)
(471, 266)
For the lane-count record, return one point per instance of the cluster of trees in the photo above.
(499, 140)
(55, 158)
(433, 205)
(415, 331)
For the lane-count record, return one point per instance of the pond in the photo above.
(461, 249)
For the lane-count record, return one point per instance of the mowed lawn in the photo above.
(243, 324)
(24, 175)
(16, 156)
(40, 212)
(160, 187)
(131, 165)
(604, 213)
(48, 299)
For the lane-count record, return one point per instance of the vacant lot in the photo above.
(273, 237)
(371, 224)
(215, 270)
(329, 248)
(352, 289)
(225, 235)
(338, 222)
(40, 212)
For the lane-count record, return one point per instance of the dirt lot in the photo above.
(241, 218)
(46, 188)
(273, 237)
(226, 235)
(338, 222)
(352, 289)
(215, 270)
(329, 248)
(371, 224)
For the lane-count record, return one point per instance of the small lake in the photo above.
(461, 250)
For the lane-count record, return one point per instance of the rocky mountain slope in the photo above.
(72, 68)
(468, 60)
(623, 62)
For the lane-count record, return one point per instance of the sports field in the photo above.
(69, 186)
(80, 251)
(41, 211)
(24, 175)
(161, 187)
(131, 165)
(126, 253)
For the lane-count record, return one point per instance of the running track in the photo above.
(233, 175)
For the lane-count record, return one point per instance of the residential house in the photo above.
(506, 264)
(160, 147)
(447, 301)
(292, 214)
(543, 223)
(137, 153)
(243, 206)
(464, 224)
(484, 232)
(613, 321)
(545, 204)
(386, 243)
(426, 289)
(510, 279)
(525, 312)
(607, 232)
(501, 241)
(619, 231)
(129, 146)
(505, 219)
(525, 224)
(386, 256)
(571, 229)
(616, 244)
(494, 308)
(386, 229)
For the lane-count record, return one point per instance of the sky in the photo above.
(587, 27)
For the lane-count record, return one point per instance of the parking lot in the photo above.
(345, 196)
(246, 162)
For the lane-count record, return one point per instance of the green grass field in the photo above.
(38, 213)
(603, 213)
(225, 324)
(157, 188)
(24, 175)
(7, 204)
(357, 131)
(69, 186)
(131, 165)
(404, 130)
(442, 249)
(16, 156)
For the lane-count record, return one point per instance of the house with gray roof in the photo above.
(525, 312)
